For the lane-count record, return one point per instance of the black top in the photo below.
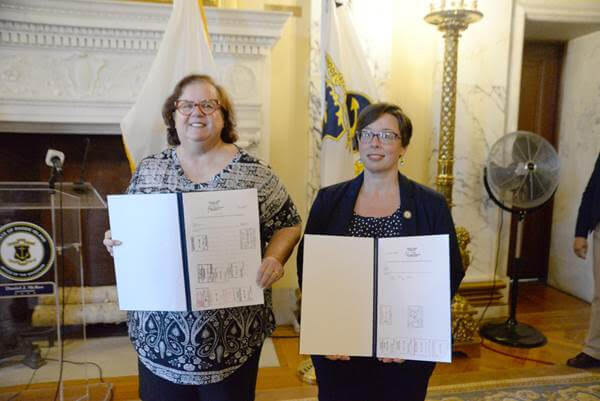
(376, 227)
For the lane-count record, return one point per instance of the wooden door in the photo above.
(538, 113)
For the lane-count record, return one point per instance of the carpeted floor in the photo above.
(578, 386)
(569, 387)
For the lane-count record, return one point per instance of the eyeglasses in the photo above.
(207, 107)
(385, 137)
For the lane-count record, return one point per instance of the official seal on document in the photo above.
(26, 251)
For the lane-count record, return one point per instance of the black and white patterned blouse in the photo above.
(376, 227)
(206, 347)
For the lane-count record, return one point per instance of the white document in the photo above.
(223, 247)
(186, 251)
(413, 282)
(387, 297)
(150, 256)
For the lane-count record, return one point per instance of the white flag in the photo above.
(349, 87)
(184, 50)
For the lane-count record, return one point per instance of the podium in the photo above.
(40, 251)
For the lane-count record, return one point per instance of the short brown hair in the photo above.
(228, 134)
(373, 111)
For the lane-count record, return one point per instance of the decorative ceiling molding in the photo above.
(128, 26)
(27, 34)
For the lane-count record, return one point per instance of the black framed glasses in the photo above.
(385, 137)
(207, 107)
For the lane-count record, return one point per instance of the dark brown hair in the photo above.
(228, 134)
(373, 111)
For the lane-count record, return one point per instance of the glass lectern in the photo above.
(42, 325)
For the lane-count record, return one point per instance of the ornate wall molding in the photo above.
(135, 27)
(76, 66)
(35, 35)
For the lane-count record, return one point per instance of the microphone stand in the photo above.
(79, 185)
(55, 174)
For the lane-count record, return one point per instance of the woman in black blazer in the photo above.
(380, 202)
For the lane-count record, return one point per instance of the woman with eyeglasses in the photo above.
(380, 202)
(209, 355)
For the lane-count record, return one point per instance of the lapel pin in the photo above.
(407, 214)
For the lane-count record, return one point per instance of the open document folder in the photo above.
(186, 251)
(383, 297)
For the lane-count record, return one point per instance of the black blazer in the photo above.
(332, 210)
(589, 209)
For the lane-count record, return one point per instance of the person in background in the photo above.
(209, 355)
(588, 220)
(380, 202)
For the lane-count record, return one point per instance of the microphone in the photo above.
(55, 159)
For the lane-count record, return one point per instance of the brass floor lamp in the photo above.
(452, 17)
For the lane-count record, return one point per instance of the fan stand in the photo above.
(511, 332)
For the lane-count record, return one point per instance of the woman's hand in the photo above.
(338, 357)
(277, 253)
(390, 360)
(270, 271)
(109, 243)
